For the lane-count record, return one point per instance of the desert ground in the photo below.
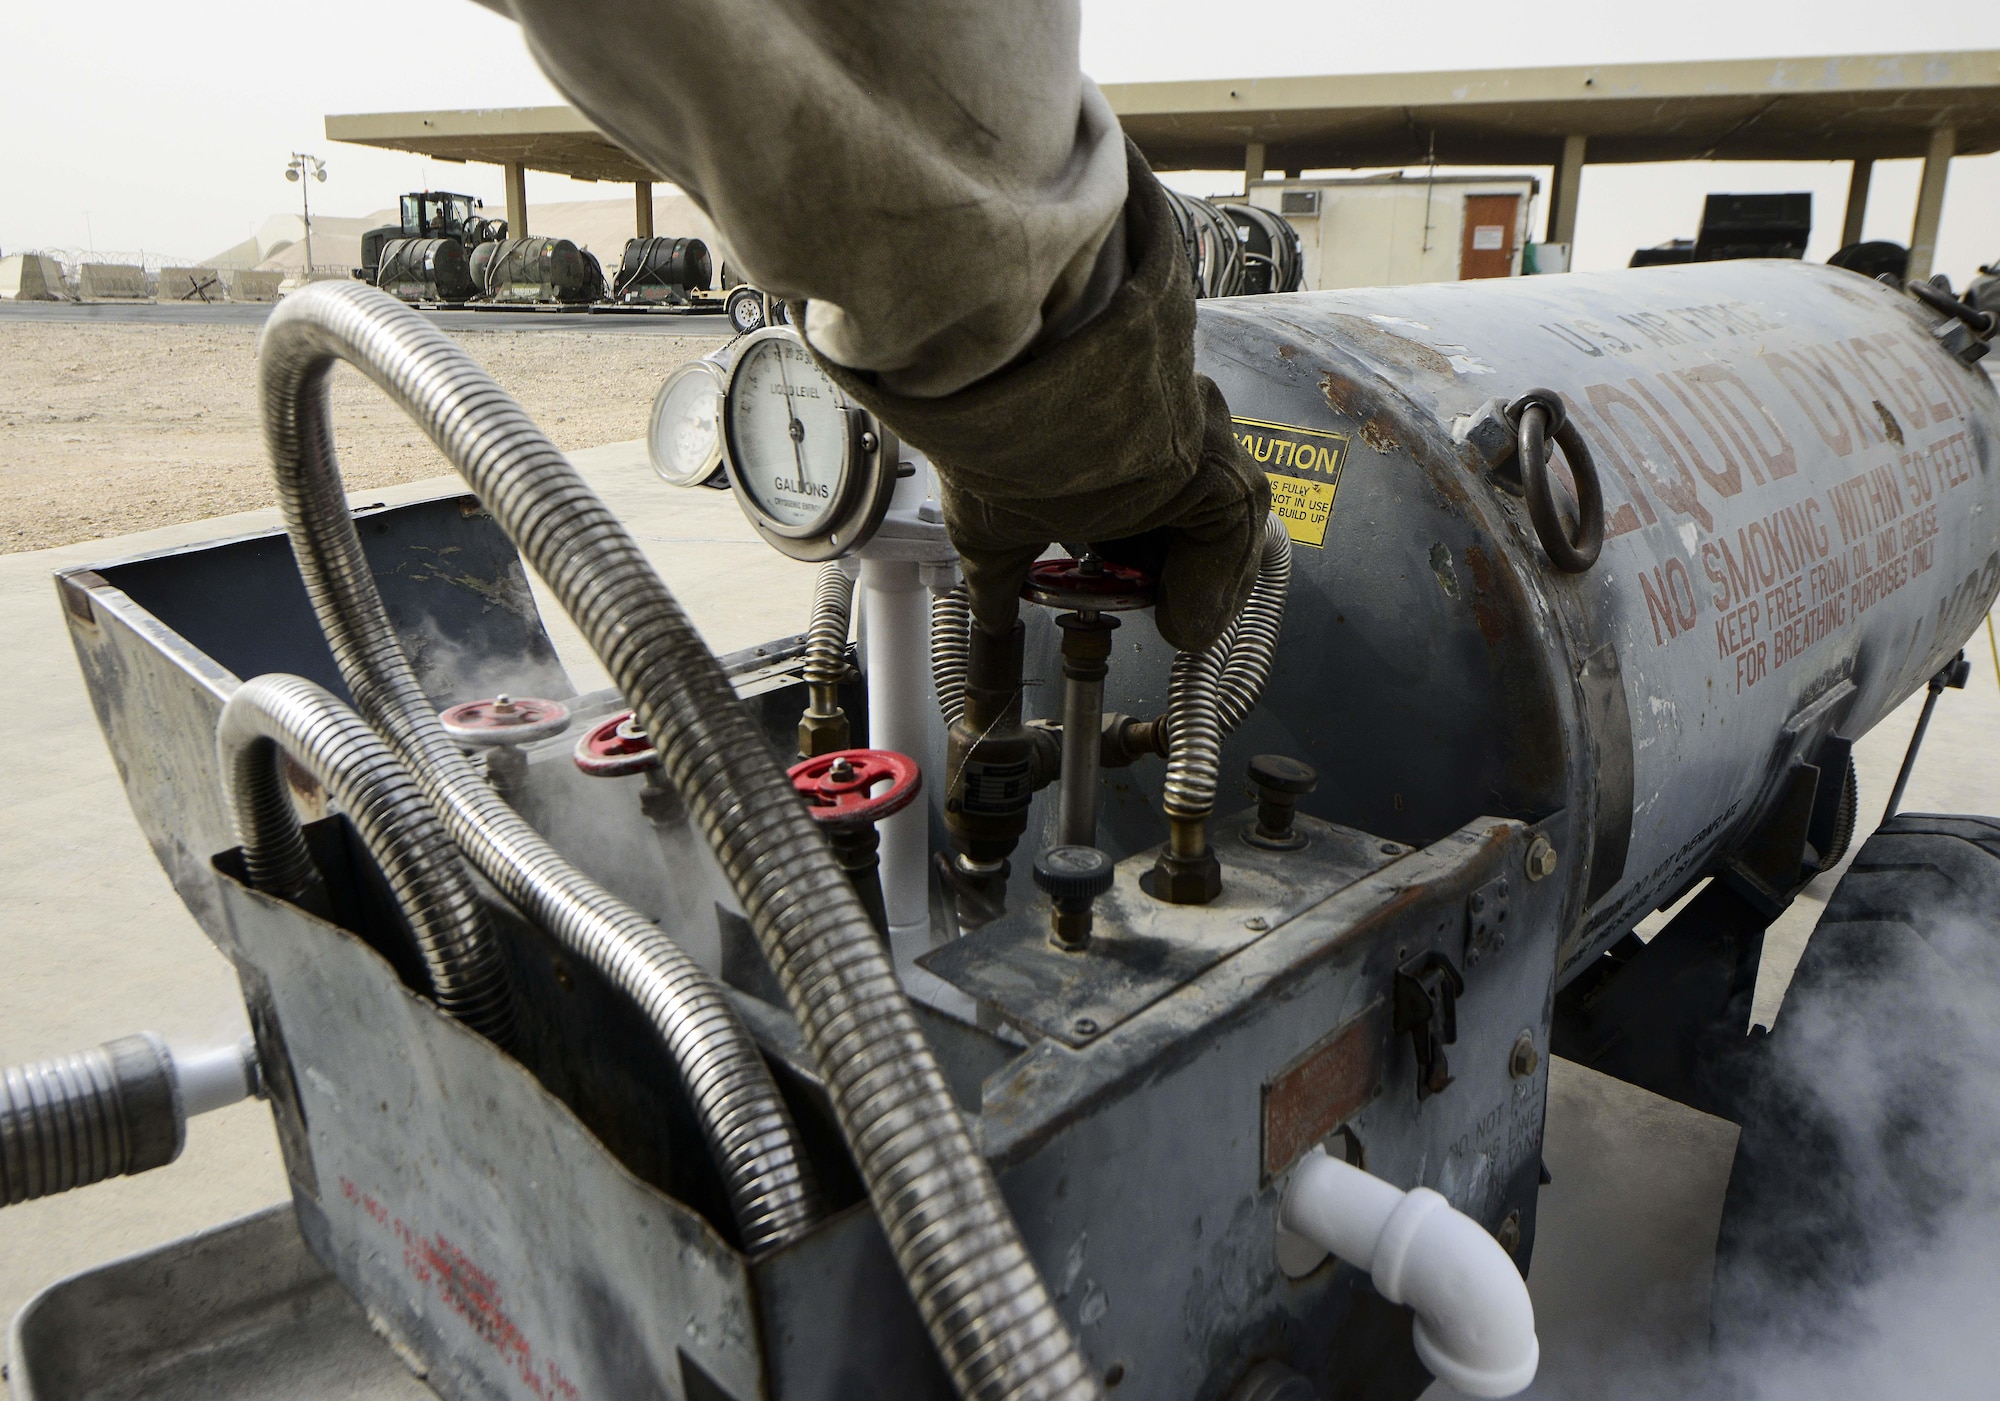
(109, 429)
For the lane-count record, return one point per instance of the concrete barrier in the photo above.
(124, 282)
(255, 284)
(31, 277)
(191, 285)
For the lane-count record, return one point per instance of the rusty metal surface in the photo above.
(1142, 948)
(1802, 494)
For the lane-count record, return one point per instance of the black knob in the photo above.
(1281, 782)
(1282, 775)
(1073, 872)
(1072, 877)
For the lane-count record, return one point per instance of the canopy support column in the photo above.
(1857, 200)
(1253, 165)
(642, 207)
(1564, 189)
(1930, 201)
(517, 200)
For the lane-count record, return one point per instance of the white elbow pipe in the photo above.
(1475, 1326)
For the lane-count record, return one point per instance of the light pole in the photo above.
(304, 169)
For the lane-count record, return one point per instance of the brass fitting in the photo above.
(1186, 872)
(823, 728)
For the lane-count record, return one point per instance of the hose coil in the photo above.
(276, 715)
(750, 1131)
(826, 636)
(1209, 693)
(976, 1287)
(951, 649)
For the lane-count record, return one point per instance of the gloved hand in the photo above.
(1103, 435)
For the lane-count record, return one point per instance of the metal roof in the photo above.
(559, 139)
(1862, 106)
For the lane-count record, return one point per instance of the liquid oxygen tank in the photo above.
(1801, 496)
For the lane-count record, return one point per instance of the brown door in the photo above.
(1488, 250)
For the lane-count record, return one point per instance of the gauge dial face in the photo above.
(790, 437)
(685, 440)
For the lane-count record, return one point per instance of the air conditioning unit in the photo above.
(1295, 204)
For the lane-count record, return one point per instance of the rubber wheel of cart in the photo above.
(745, 309)
(1869, 1127)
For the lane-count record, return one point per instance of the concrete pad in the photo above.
(98, 282)
(93, 939)
(31, 277)
(190, 285)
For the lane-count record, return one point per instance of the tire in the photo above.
(781, 312)
(1843, 822)
(1870, 1129)
(745, 309)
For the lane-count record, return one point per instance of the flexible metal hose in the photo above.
(503, 456)
(1210, 692)
(826, 635)
(1253, 640)
(951, 649)
(978, 1290)
(69, 1121)
(276, 715)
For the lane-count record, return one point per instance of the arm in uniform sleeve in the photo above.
(984, 260)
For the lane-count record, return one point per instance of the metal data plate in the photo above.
(1142, 949)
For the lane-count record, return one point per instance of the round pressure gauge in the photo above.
(813, 471)
(684, 440)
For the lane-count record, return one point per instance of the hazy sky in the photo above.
(167, 128)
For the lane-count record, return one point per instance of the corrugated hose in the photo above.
(978, 1290)
(1210, 692)
(276, 715)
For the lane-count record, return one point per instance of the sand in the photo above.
(107, 429)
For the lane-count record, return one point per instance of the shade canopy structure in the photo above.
(1860, 108)
(1865, 107)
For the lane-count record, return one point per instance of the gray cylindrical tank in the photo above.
(656, 268)
(425, 270)
(540, 270)
(480, 262)
(1802, 498)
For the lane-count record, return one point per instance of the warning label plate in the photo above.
(1303, 502)
(1304, 508)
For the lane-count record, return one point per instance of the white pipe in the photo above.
(1475, 1326)
(215, 1079)
(896, 629)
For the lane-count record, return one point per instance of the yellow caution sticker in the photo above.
(1304, 502)
(1303, 506)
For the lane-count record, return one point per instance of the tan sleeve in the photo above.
(936, 177)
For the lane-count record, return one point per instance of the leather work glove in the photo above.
(1101, 436)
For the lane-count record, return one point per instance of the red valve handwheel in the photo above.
(1092, 584)
(505, 720)
(616, 747)
(836, 786)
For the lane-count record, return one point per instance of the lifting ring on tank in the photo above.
(1536, 417)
